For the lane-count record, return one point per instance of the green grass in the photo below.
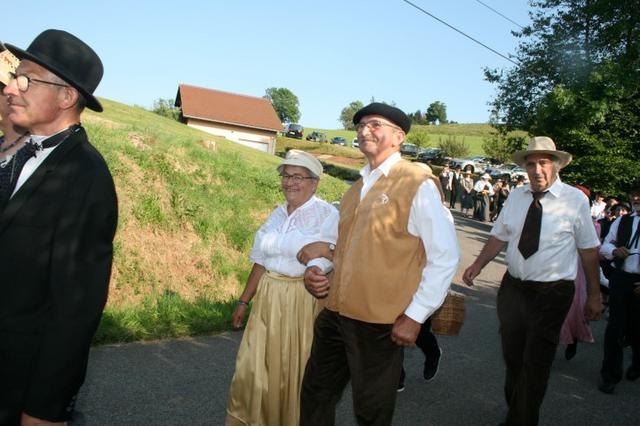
(188, 215)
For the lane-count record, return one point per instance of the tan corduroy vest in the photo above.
(378, 264)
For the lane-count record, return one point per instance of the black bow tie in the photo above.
(32, 148)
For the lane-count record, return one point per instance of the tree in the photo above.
(420, 138)
(285, 103)
(437, 111)
(417, 118)
(501, 146)
(347, 113)
(453, 147)
(165, 108)
(578, 81)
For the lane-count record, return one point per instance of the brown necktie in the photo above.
(530, 236)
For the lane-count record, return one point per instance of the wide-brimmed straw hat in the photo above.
(296, 157)
(541, 145)
(69, 58)
(485, 176)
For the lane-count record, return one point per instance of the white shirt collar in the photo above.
(307, 203)
(555, 189)
(384, 168)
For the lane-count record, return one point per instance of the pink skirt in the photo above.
(576, 326)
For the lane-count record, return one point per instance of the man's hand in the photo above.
(237, 318)
(620, 252)
(593, 307)
(316, 282)
(470, 273)
(313, 251)
(405, 331)
(27, 420)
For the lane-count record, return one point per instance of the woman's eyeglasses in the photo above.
(295, 178)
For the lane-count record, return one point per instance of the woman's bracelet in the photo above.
(242, 302)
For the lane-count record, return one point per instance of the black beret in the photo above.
(393, 114)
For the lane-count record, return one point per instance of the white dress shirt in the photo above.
(483, 185)
(279, 240)
(631, 264)
(597, 210)
(34, 162)
(433, 224)
(566, 227)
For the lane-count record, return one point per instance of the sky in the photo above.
(328, 53)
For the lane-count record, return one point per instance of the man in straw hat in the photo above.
(545, 226)
(622, 245)
(56, 233)
(394, 260)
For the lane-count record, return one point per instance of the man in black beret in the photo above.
(393, 263)
(56, 233)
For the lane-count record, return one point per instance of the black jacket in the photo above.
(56, 250)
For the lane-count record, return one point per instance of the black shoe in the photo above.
(571, 350)
(633, 373)
(401, 383)
(431, 366)
(607, 387)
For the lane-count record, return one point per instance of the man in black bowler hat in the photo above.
(56, 233)
(394, 260)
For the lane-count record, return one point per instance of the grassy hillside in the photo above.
(189, 204)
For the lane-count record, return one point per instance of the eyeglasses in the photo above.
(295, 178)
(374, 125)
(23, 81)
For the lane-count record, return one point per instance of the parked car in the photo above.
(339, 140)
(432, 156)
(508, 171)
(409, 149)
(477, 164)
(355, 143)
(317, 137)
(483, 162)
(294, 131)
(466, 164)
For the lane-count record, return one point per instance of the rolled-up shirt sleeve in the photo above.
(432, 223)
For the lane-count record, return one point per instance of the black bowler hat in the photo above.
(69, 58)
(387, 111)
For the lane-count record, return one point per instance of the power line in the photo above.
(495, 11)
(461, 32)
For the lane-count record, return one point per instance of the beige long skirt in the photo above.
(265, 389)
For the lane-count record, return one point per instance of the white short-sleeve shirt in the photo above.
(566, 227)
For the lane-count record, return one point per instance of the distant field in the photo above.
(472, 134)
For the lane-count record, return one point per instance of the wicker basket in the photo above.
(449, 318)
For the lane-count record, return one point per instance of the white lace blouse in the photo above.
(278, 241)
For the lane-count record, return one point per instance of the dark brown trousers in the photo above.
(531, 315)
(343, 349)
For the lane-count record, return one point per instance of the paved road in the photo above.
(185, 381)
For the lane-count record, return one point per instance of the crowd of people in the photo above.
(481, 199)
(319, 320)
